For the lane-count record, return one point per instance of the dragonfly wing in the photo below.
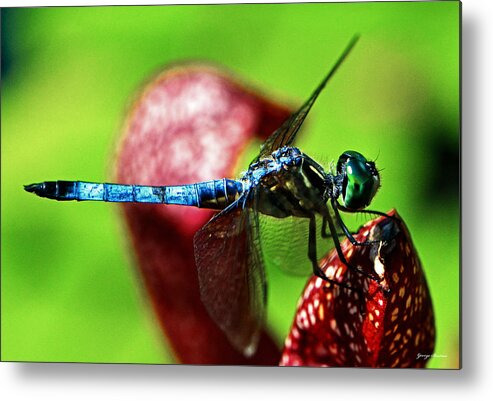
(286, 133)
(285, 242)
(231, 274)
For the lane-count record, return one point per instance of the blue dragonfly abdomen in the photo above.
(214, 194)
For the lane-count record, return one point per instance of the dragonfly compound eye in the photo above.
(360, 180)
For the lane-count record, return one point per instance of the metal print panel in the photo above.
(274, 184)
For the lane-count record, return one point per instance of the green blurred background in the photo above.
(69, 290)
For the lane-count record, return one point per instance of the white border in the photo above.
(127, 382)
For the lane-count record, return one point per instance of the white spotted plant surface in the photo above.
(387, 324)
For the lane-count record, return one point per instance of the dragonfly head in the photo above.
(360, 180)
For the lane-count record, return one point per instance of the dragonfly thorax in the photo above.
(287, 183)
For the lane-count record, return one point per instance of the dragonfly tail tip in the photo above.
(34, 188)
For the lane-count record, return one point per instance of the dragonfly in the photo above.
(282, 182)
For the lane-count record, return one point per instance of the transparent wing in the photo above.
(231, 274)
(285, 242)
(286, 133)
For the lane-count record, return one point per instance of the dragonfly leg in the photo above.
(312, 249)
(336, 206)
(347, 233)
(327, 234)
(333, 232)
(376, 212)
(312, 255)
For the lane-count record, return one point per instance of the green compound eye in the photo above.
(360, 180)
